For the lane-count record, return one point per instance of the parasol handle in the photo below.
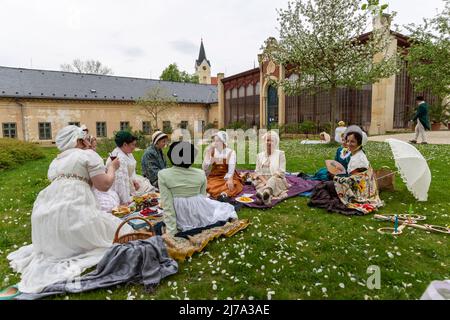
(393, 172)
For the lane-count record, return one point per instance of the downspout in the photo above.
(23, 118)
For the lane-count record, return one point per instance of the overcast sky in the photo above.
(139, 38)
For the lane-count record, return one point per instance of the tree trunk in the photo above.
(333, 106)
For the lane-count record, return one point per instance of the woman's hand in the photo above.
(136, 185)
(115, 164)
(230, 184)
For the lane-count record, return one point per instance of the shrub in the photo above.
(326, 126)
(209, 126)
(106, 145)
(291, 128)
(14, 152)
(307, 127)
(273, 126)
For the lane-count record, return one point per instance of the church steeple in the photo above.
(203, 66)
(202, 55)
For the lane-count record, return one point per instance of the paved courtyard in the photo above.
(433, 137)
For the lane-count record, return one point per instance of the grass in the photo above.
(288, 252)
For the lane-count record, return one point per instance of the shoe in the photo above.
(10, 293)
(413, 141)
(267, 198)
(258, 202)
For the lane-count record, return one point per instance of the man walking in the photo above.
(423, 122)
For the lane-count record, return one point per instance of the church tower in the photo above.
(203, 66)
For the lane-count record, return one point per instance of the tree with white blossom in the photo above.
(320, 43)
(429, 60)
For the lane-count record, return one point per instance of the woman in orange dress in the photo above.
(220, 167)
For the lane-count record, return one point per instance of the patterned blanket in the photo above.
(297, 186)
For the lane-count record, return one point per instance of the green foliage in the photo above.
(238, 125)
(326, 126)
(14, 152)
(273, 125)
(290, 128)
(168, 129)
(439, 112)
(429, 57)
(374, 7)
(106, 145)
(307, 127)
(209, 125)
(172, 73)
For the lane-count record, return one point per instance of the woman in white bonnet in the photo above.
(269, 179)
(69, 232)
(220, 167)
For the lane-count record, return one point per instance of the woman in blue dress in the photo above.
(342, 156)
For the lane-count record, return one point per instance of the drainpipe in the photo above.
(23, 118)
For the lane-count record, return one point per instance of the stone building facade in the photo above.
(35, 104)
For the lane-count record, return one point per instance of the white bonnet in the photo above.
(67, 137)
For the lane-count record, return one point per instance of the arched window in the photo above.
(257, 88)
(241, 92)
(234, 93)
(250, 90)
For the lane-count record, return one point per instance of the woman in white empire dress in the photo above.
(127, 182)
(69, 231)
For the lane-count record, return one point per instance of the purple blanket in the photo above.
(298, 185)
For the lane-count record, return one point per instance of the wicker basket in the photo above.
(141, 235)
(385, 179)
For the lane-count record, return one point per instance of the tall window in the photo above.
(146, 127)
(101, 129)
(9, 130)
(184, 124)
(74, 124)
(124, 125)
(45, 131)
(167, 128)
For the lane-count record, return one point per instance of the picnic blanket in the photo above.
(181, 248)
(298, 185)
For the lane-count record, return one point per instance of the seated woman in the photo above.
(183, 193)
(323, 136)
(342, 156)
(153, 159)
(339, 132)
(357, 191)
(69, 232)
(269, 178)
(127, 182)
(220, 165)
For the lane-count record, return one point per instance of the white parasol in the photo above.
(413, 168)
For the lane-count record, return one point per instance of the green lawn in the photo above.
(288, 252)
